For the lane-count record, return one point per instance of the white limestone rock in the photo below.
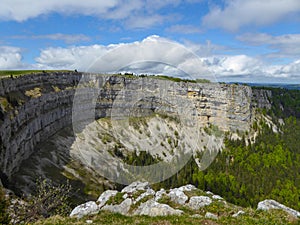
(197, 202)
(178, 196)
(209, 215)
(159, 194)
(217, 197)
(272, 204)
(87, 208)
(239, 213)
(153, 208)
(122, 208)
(143, 195)
(136, 186)
(105, 196)
(188, 187)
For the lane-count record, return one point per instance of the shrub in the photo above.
(4, 216)
(48, 200)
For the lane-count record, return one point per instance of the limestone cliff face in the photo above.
(34, 107)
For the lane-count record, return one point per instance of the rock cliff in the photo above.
(35, 107)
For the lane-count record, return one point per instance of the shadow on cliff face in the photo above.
(51, 160)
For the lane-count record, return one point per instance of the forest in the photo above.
(267, 168)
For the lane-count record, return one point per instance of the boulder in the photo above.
(239, 213)
(87, 208)
(105, 196)
(272, 204)
(143, 195)
(209, 215)
(197, 202)
(153, 208)
(178, 196)
(122, 208)
(188, 187)
(136, 186)
(217, 197)
(159, 194)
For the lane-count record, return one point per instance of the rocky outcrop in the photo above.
(269, 204)
(88, 208)
(153, 208)
(122, 208)
(105, 196)
(133, 200)
(140, 199)
(197, 202)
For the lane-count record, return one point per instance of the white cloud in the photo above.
(287, 45)
(73, 57)
(239, 13)
(10, 57)
(112, 58)
(21, 10)
(68, 38)
(233, 65)
(291, 70)
(133, 13)
(157, 55)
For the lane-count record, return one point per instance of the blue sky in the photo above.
(225, 40)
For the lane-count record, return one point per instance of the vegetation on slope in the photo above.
(268, 168)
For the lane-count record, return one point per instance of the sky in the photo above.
(221, 40)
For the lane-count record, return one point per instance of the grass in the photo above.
(34, 93)
(16, 73)
(273, 217)
(8, 73)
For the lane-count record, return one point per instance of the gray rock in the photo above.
(209, 193)
(136, 186)
(159, 194)
(188, 187)
(272, 204)
(105, 196)
(209, 215)
(122, 208)
(217, 197)
(143, 195)
(87, 208)
(239, 213)
(178, 196)
(197, 202)
(153, 208)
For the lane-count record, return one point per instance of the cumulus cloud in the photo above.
(291, 70)
(10, 57)
(157, 55)
(238, 13)
(287, 45)
(142, 56)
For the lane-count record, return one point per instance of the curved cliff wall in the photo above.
(34, 107)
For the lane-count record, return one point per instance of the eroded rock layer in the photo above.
(34, 107)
